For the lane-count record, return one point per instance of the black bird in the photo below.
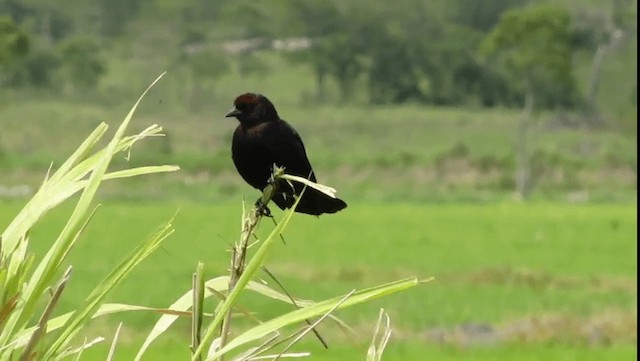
(261, 140)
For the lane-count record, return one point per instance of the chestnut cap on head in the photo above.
(242, 102)
(252, 108)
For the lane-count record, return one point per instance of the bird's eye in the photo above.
(243, 106)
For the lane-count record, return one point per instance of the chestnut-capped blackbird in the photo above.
(261, 140)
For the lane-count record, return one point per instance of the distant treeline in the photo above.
(435, 52)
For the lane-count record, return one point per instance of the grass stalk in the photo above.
(197, 310)
(239, 253)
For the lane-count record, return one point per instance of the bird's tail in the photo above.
(315, 202)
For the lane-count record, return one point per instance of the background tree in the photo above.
(533, 46)
(37, 69)
(382, 52)
(14, 45)
(203, 67)
(481, 15)
(82, 63)
(339, 39)
(610, 31)
(116, 14)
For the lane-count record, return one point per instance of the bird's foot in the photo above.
(262, 209)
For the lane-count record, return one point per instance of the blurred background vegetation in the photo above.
(436, 89)
(429, 117)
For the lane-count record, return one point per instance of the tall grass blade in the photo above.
(78, 350)
(41, 328)
(380, 340)
(105, 309)
(49, 265)
(312, 326)
(40, 203)
(197, 309)
(183, 303)
(112, 349)
(318, 309)
(250, 270)
(72, 325)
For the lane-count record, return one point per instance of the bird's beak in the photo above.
(233, 113)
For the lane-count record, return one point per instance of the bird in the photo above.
(261, 140)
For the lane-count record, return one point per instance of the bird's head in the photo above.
(252, 109)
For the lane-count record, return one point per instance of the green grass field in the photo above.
(512, 281)
(429, 192)
(370, 153)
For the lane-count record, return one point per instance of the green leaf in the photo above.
(252, 267)
(84, 312)
(315, 310)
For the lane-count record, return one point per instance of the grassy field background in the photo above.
(370, 153)
(514, 281)
(430, 193)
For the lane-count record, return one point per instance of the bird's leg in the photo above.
(262, 209)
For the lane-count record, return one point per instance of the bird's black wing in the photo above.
(287, 150)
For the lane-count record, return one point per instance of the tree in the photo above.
(203, 67)
(409, 54)
(14, 45)
(336, 43)
(82, 64)
(610, 31)
(36, 69)
(116, 14)
(482, 15)
(533, 46)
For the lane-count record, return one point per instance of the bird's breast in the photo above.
(250, 155)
